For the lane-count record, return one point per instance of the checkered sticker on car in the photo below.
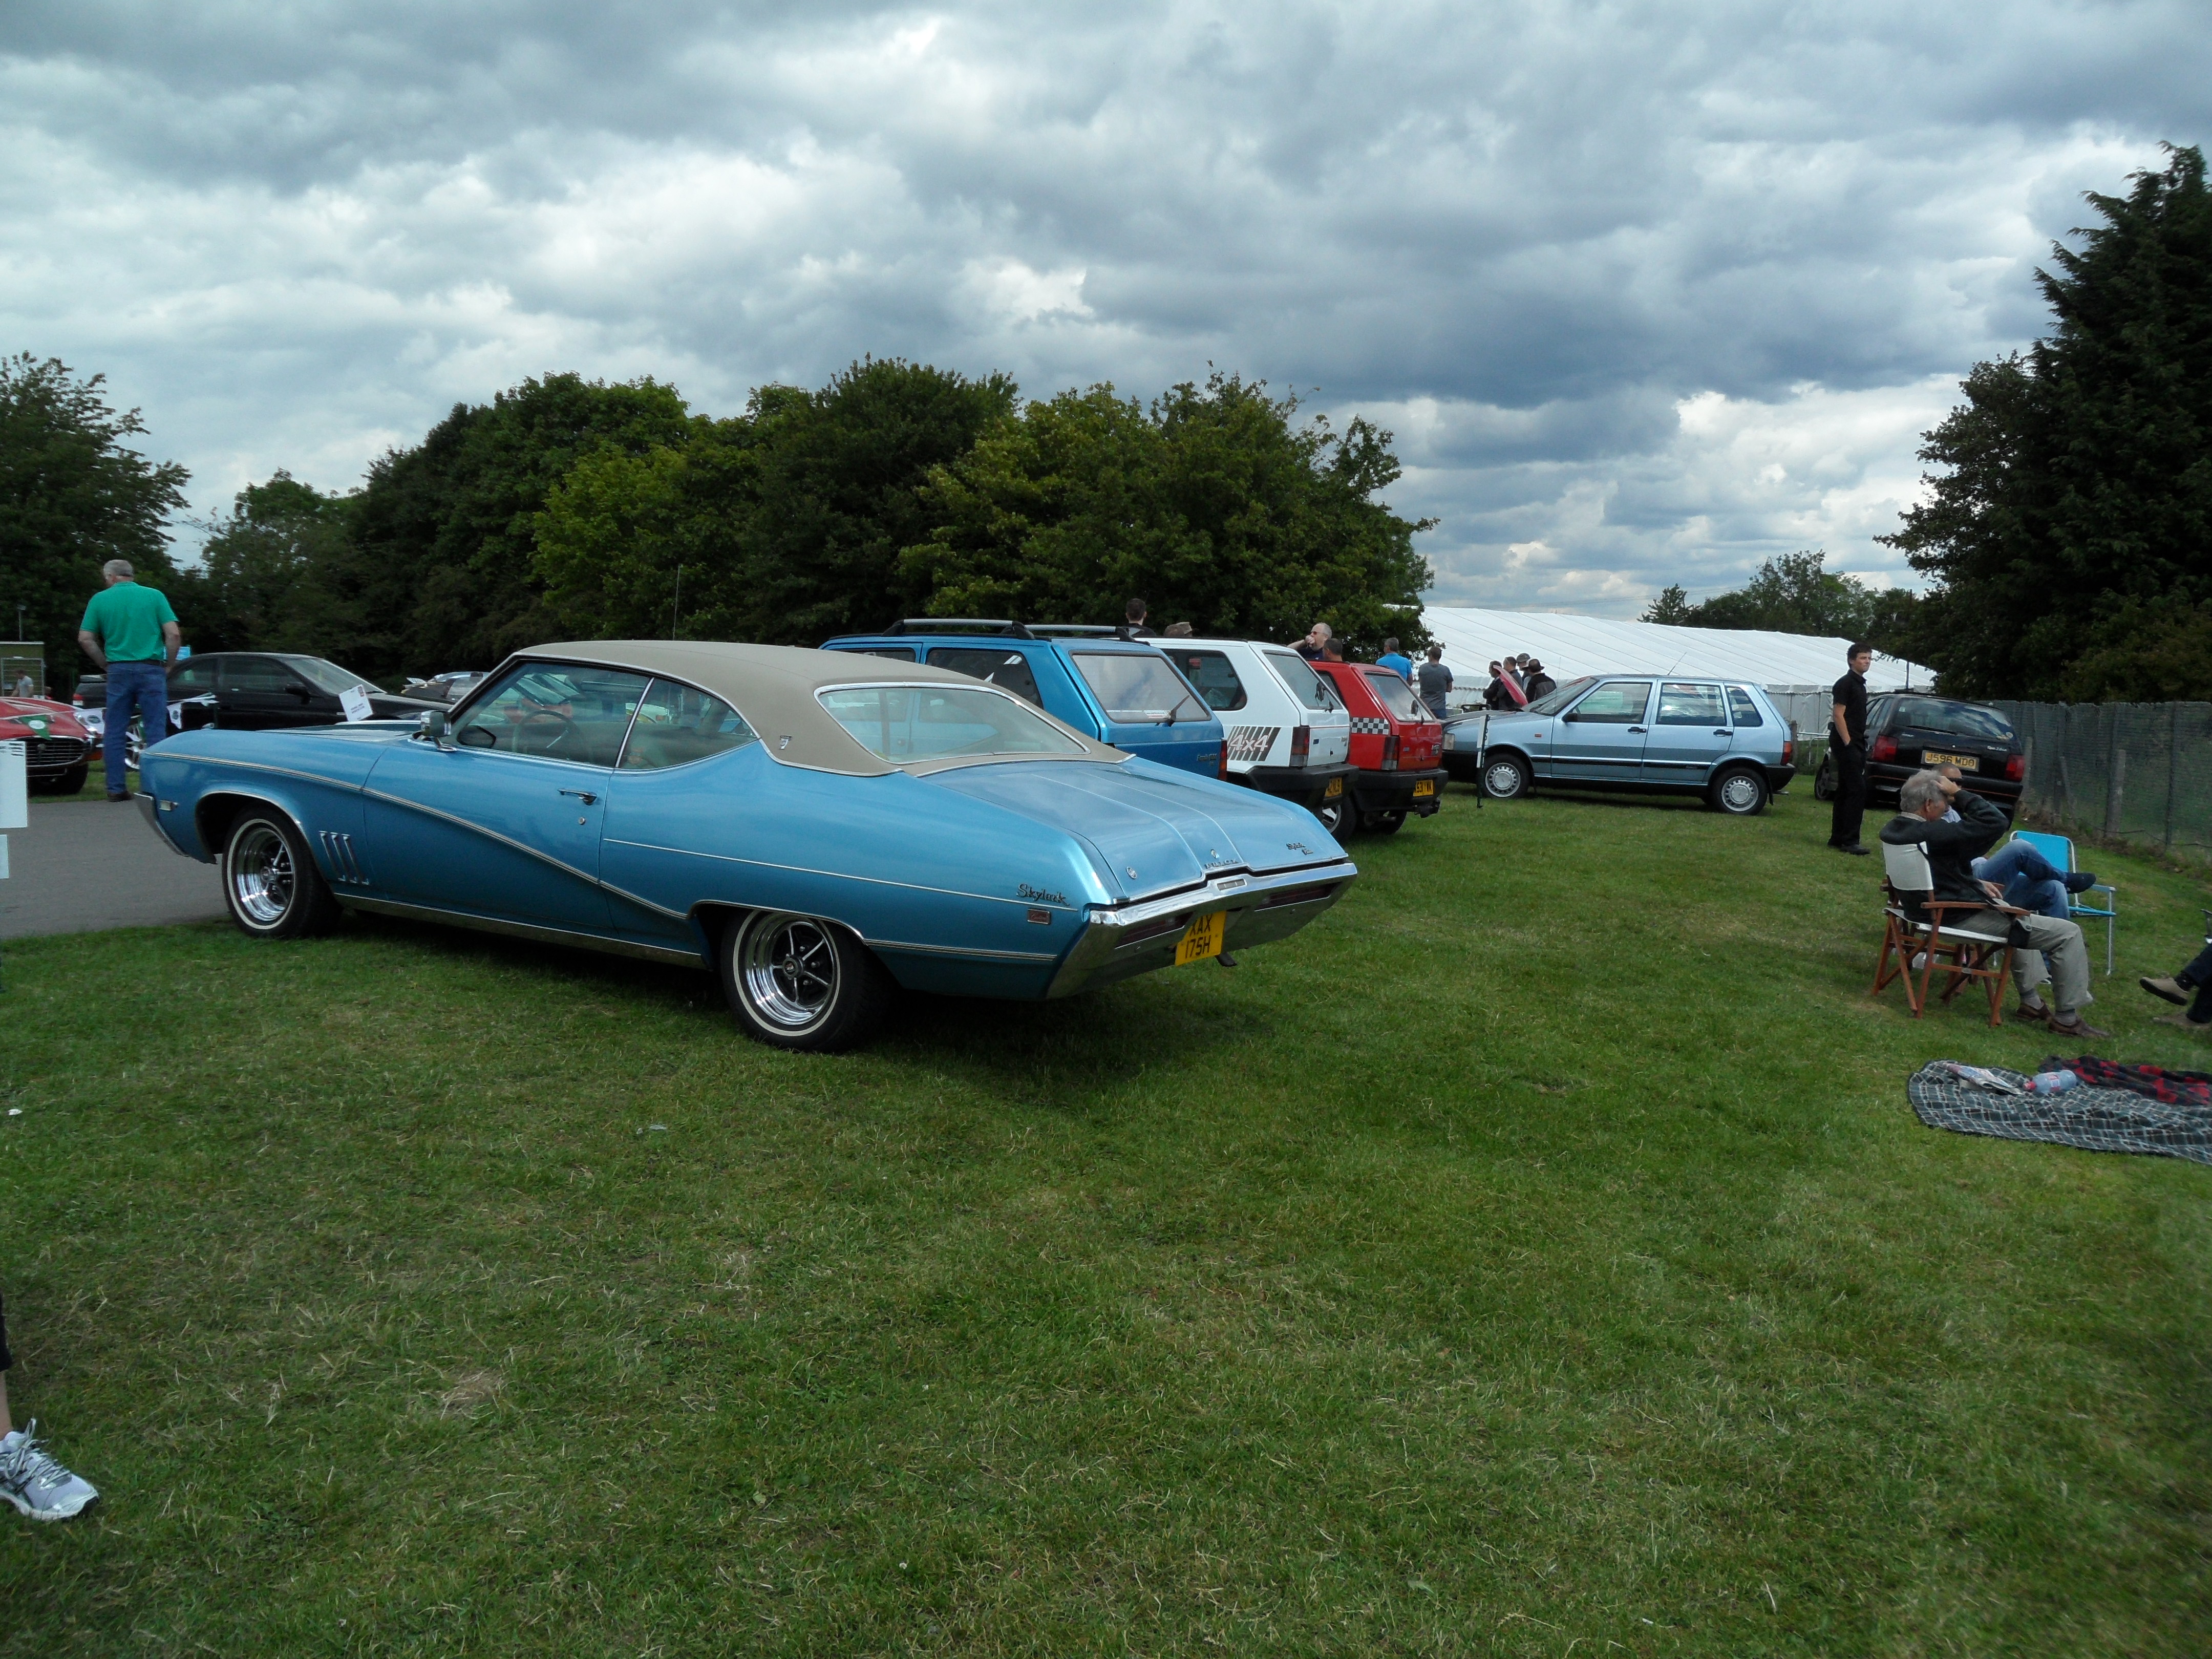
(1369, 725)
(1251, 743)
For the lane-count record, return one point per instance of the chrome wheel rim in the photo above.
(788, 966)
(1331, 815)
(1502, 780)
(1740, 793)
(262, 880)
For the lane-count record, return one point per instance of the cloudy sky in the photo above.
(1647, 292)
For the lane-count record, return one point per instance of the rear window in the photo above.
(943, 722)
(997, 665)
(1138, 687)
(1691, 705)
(1215, 677)
(1963, 719)
(1308, 687)
(1395, 695)
(1747, 710)
(896, 653)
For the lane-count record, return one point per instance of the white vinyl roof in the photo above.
(1570, 646)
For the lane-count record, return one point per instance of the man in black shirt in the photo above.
(1847, 742)
(1135, 628)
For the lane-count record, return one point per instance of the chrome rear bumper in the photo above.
(1120, 943)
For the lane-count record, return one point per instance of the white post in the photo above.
(14, 795)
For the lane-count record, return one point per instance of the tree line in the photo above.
(2068, 536)
(571, 508)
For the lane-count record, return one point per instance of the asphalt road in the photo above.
(87, 865)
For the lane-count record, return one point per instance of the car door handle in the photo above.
(583, 795)
(1720, 731)
(1639, 728)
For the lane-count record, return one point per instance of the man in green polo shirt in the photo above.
(131, 633)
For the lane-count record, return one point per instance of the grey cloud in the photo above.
(1546, 229)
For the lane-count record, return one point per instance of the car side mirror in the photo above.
(433, 727)
(1571, 717)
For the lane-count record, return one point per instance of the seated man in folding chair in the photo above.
(2030, 881)
(1924, 799)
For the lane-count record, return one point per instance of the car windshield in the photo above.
(1308, 687)
(329, 676)
(1965, 719)
(1552, 701)
(1396, 696)
(1138, 687)
(900, 723)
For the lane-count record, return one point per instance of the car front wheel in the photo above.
(1740, 793)
(1505, 777)
(797, 982)
(271, 883)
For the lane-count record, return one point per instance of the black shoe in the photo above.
(118, 798)
(1854, 849)
(2081, 881)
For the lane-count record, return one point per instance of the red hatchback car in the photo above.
(1394, 744)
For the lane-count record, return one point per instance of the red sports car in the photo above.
(57, 747)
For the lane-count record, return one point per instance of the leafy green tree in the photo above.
(439, 570)
(262, 581)
(786, 522)
(1211, 504)
(74, 495)
(1793, 593)
(2070, 531)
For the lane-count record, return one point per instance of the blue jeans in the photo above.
(2031, 881)
(143, 687)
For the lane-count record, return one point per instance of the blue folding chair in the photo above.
(2059, 851)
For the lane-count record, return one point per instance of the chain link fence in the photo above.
(2139, 772)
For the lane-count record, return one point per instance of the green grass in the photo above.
(1538, 1255)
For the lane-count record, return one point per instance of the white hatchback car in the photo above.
(1289, 734)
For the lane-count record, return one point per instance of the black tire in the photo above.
(270, 881)
(1824, 780)
(1332, 816)
(1505, 777)
(801, 982)
(62, 783)
(1739, 792)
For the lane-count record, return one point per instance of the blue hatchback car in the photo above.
(1639, 734)
(1121, 691)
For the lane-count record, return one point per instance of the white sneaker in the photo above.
(1919, 960)
(36, 1484)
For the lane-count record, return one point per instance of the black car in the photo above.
(1909, 731)
(257, 690)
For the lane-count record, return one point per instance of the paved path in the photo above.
(83, 864)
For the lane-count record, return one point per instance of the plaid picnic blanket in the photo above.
(2095, 1119)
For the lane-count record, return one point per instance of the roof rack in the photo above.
(1077, 630)
(999, 625)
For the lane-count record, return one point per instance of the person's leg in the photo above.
(7, 1359)
(1849, 809)
(2197, 977)
(2017, 858)
(115, 742)
(2060, 944)
(30, 1479)
(2045, 898)
(154, 702)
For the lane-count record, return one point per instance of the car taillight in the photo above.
(1301, 744)
(1788, 752)
(1885, 748)
(1221, 763)
(2015, 767)
(1390, 753)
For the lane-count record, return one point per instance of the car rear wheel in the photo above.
(1740, 792)
(1331, 814)
(1824, 780)
(797, 982)
(271, 883)
(1505, 777)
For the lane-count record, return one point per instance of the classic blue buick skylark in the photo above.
(815, 826)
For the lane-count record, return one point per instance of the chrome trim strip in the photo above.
(957, 951)
(842, 875)
(620, 947)
(148, 807)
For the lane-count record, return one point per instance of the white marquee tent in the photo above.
(1789, 666)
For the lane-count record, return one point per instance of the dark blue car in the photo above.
(1119, 691)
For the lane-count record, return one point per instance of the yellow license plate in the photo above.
(1964, 762)
(1335, 788)
(1425, 786)
(1202, 939)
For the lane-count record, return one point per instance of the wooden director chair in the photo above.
(1966, 954)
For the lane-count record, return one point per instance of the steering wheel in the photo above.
(538, 715)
